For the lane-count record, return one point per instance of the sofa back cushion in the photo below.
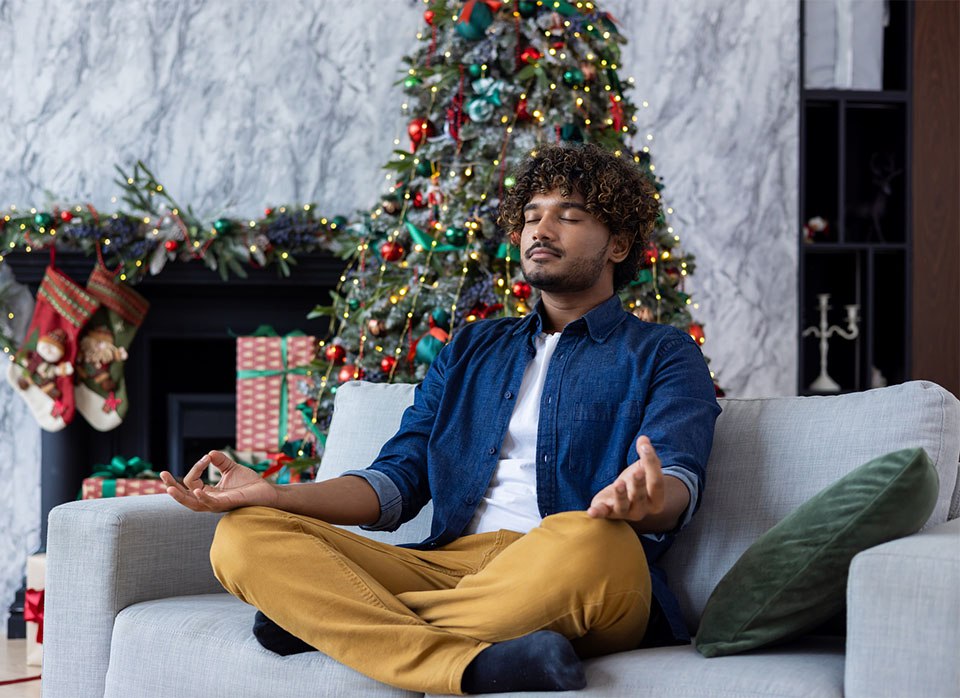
(771, 455)
(365, 416)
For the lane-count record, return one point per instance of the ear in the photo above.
(619, 248)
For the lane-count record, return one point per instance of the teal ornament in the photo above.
(338, 222)
(527, 8)
(353, 303)
(43, 219)
(476, 25)
(456, 236)
(573, 77)
(441, 318)
(479, 110)
(489, 89)
(222, 225)
(571, 132)
(475, 71)
(411, 82)
(424, 168)
(509, 181)
(427, 349)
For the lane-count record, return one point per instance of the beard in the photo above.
(582, 275)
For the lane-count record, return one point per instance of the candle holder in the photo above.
(824, 383)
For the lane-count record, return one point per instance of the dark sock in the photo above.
(540, 661)
(275, 638)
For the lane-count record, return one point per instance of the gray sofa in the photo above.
(133, 608)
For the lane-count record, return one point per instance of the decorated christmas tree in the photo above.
(489, 83)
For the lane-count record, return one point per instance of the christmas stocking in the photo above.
(42, 371)
(101, 388)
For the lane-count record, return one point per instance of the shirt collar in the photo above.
(600, 322)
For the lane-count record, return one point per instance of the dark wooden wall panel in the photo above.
(936, 193)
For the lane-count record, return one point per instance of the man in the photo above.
(562, 452)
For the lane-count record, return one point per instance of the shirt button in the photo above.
(545, 457)
(508, 395)
(549, 399)
(491, 450)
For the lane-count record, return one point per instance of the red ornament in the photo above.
(171, 245)
(349, 372)
(419, 131)
(521, 289)
(267, 211)
(428, 16)
(521, 111)
(418, 201)
(387, 363)
(392, 251)
(696, 331)
(530, 54)
(66, 216)
(558, 45)
(650, 255)
(335, 353)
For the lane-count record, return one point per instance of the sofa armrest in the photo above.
(903, 617)
(102, 556)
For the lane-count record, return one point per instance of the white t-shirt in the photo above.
(510, 501)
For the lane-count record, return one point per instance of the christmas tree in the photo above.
(489, 83)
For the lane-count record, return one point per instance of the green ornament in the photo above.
(441, 318)
(222, 225)
(43, 219)
(527, 8)
(475, 71)
(509, 181)
(456, 236)
(424, 168)
(480, 18)
(338, 222)
(573, 77)
(411, 82)
(571, 132)
(353, 303)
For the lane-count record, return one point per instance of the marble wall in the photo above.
(235, 105)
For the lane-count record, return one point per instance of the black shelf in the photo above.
(855, 155)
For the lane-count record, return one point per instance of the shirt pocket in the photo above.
(601, 435)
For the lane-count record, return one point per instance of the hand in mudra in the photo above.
(239, 486)
(637, 491)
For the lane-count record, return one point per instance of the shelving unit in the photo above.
(853, 143)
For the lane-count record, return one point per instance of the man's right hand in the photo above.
(239, 486)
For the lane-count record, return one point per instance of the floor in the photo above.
(13, 665)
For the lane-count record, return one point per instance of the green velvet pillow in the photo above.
(794, 577)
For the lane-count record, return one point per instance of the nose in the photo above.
(544, 229)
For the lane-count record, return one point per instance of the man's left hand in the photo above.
(636, 493)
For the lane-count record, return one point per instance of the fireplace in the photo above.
(181, 372)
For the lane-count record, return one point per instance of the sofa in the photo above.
(134, 610)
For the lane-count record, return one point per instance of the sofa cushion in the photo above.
(365, 416)
(793, 578)
(770, 455)
(210, 652)
(812, 668)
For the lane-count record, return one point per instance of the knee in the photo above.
(233, 553)
(605, 546)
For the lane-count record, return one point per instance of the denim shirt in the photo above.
(612, 378)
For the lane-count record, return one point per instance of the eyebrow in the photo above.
(562, 204)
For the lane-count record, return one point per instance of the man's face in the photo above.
(562, 247)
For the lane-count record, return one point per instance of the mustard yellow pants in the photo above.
(416, 618)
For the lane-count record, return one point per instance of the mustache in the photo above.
(538, 245)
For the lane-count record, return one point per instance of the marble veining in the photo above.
(238, 105)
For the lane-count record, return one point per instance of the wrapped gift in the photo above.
(33, 607)
(268, 368)
(122, 478)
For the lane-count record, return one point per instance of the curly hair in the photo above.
(615, 191)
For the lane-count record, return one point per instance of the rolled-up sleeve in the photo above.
(389, 496)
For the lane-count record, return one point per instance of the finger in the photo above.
(621, 502)
(214, 499)
(170, 481)
(185, 498)
(192, 478)
(636, 488)
(599, 510)
(652, 472)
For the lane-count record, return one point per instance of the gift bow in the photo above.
(33, 610)
(494, 5)
(268, 331)
(120, 467)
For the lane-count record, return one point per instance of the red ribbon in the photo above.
(33, 610)
(494, 5)
(279, 460)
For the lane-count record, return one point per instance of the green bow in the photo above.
(120, 467)
(267, 331)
